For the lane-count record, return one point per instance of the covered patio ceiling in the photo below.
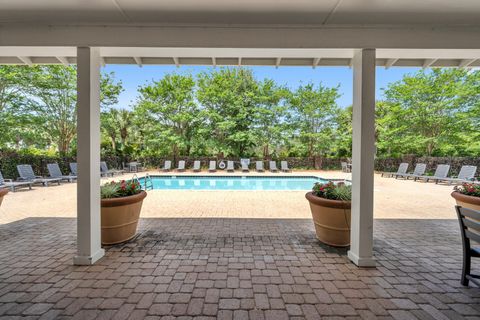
(244, 57)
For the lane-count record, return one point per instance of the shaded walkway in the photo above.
(233, 268)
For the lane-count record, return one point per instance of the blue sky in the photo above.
(133, 76)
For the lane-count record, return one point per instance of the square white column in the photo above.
(89, 248)
(363, 155)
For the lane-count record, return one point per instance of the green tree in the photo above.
(424, 113)
(169, 113)
(313, 111)
(229, 97)
(53, 101)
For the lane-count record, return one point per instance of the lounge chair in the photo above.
(9, 183)
(402, 169)
(273, 166)
(417, 172)
(105, 172)
(284, 166)
(73, 169)
(212, 167)
(167, 166)
(259, 166)
(466, 174)
(244, 166)
(55, 172)
(26, 173)
(230, 166)
(196, 166)
(181, 166)
(345, 167)
(440, 173)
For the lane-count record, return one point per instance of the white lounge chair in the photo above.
(259, 166)
(345, 167)
(440, 173)
(181, 166)
(417, 172)
(73, 169)
(212, 167)
(13, 185)
(55, 172)
(167, 166)
(244, 166)
(273, 166)
(105, 171)
(284, 166)
(466, 174)
(230, 166)
(196, 166)
(402, 169)
(26, 173)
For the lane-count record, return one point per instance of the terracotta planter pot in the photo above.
(466, 201)
(3, 192)
(331, 219)
(120, 218)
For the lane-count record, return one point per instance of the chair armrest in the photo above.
(8, 180)
(39, 177)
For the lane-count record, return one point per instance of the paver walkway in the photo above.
(207, 268)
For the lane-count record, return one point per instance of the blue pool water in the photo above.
(232, 183)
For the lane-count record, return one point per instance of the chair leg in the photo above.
(466, 268)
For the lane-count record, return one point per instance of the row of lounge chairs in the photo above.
(27, 178)
(230, 166)
(466, 174)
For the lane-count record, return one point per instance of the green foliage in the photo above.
(333, 191)
(119, 189)
(469, 189)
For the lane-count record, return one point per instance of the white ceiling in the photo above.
(304, 12)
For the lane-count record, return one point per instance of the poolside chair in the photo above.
(196, 166)
(440, 173)
(284, 166)
(73, 169)
(402, 169)
(466, 174)
(13, 185)
(167, 166)
(230, 167)
(244, 165)
(470, 230)
(55, 172)
(417, 172)
(259, 166)
(212, 167)
(181, 166)
(345, 167)
(26, 173)
(273, 166)
(105, 172)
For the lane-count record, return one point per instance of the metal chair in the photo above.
(470, 230)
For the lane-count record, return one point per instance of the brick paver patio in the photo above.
(233, 269)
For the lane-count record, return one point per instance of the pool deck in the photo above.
(394, 199)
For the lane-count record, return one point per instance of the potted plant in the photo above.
(467, 195)
(3, 192)
(330, 204)
(120, 209)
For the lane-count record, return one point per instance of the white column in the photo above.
(89, 248)
(363, 151)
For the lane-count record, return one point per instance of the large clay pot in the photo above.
(120, 218)
(3, 192)
(466, 201)
(331, 219)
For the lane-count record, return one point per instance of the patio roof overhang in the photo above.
(362, 34)
(140, 56)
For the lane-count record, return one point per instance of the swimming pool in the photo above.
(232, 183)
